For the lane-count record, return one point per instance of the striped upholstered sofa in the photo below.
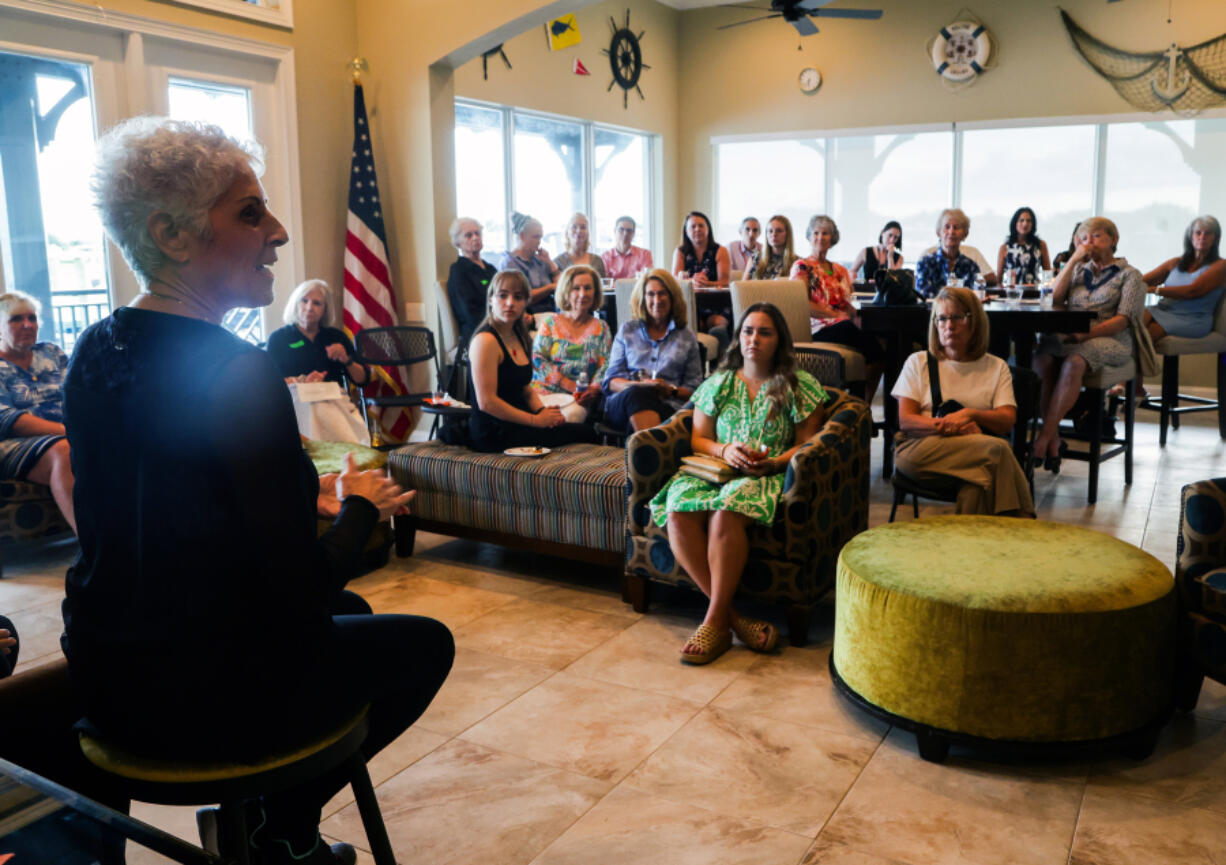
(1200, 578)
(825, 504)
(570, 502)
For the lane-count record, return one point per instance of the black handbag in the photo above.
(896, 288)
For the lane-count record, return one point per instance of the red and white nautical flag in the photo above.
(369, 300)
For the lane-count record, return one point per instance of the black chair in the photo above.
(1096, 432)
(402, 346)
(1025, 428)
(162, 781)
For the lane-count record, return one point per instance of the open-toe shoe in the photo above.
(756, 634)
(710, 643)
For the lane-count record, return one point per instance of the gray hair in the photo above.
(959, 217)
(290, 316)
(13, 299)
(522, 222)
(822, 219)
(456, 231)
(149, 164)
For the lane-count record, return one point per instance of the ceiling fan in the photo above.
(799, 13)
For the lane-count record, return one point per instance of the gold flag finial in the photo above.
(357, 66)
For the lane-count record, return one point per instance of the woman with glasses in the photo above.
(957, 434)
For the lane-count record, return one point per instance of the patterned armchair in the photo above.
(1200, 578)
(825, 503)
(28, 513)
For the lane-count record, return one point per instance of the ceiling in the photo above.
(699, 4)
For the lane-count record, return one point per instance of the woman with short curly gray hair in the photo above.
(202, 570)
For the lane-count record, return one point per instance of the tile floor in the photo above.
(569, 733)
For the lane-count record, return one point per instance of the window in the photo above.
(1150, 177)
(1049, 169)
(550, 168)
(51, 243)
(762, 178)
(904, 177)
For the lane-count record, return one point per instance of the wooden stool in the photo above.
(164, 781)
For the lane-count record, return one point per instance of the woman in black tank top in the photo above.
(508, 411)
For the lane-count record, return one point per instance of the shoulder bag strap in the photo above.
(934, 382)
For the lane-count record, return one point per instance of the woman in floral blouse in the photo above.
(831, 314)
(32, 443)
(573, 343)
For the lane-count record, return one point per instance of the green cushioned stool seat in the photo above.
(994, 630)
(329, 457)
(171, 781)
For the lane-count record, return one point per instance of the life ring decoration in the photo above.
(961, 50)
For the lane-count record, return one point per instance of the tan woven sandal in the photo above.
(710, 643)
(757, 635)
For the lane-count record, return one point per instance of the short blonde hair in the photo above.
(957, 215)
(290, 315)
(1100, 223)
(11, 300)
(638, 297)
(566, 283)
(967, 301)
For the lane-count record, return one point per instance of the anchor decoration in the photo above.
(1185, 80)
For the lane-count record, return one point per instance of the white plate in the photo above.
(526, 452)
(556, 400)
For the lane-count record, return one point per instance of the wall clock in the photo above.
(810, 80)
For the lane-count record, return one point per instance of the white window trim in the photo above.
(283, 145)
(654, 197)
(281, 17)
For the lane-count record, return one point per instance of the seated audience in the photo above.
(508, 411)
(468, 281)
(938, 266)
(754, 413)
(1023, 255)
(624, 260)
(533, 262)
(8, 647)
(774, 258)
(885, 255)
(1114, 291)
(1190, 286)
(655, 365)
(199, 615)
(308, 348)
(577, 251)
(958, 436)
(573, 343)
(831, 314)
(32, 443)
(740, 250)
(707, 265)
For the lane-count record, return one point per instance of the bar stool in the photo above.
(171, 781)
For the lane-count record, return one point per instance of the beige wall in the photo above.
(878, 73)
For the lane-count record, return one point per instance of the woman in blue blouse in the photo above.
(32, 443)
(934, 270)
(655, 366)
(533, 262)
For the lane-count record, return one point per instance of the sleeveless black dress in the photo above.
(490, 434)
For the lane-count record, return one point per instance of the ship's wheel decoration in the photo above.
(625, 59)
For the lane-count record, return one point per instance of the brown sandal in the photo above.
(757, 635)
(710, 644)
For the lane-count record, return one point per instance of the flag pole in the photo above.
(356, 67)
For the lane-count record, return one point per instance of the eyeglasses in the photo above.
(953, 319)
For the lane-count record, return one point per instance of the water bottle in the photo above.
(583, 382)
(981, 287)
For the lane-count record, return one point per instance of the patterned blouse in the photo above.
(1116, 289)
(37, 390)
(558, 361)
(832, 289)
(932, 273)
(777, 269)
(1025, 260)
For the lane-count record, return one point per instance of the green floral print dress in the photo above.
(726, 398)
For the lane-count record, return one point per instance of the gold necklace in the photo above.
(169, 297)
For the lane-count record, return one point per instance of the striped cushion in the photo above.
(574, 495)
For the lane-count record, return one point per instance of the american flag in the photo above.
(369, 300)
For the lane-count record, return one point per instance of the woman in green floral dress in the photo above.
(754, 413)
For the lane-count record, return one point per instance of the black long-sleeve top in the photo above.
(467, 287)
(196, 613)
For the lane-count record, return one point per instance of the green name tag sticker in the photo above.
(299, 344)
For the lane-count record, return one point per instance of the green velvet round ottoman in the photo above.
(1002, 632)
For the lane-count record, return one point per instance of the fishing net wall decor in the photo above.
(1185, 80)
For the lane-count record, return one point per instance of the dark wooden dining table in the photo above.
(1013, 329)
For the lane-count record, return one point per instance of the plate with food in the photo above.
(556, 400)
(526, 452)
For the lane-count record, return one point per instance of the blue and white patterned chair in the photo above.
(1200, 577)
